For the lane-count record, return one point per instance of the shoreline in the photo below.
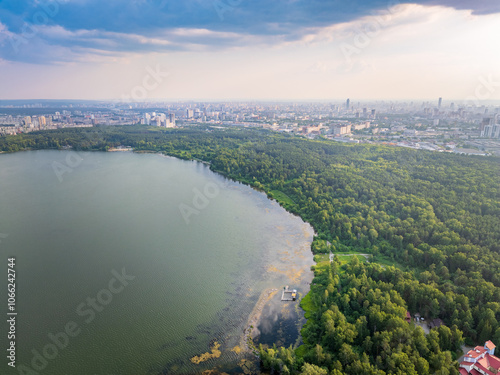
(120, 149)
(246, 341)
(249, 332)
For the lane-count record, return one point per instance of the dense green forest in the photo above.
(430, 221)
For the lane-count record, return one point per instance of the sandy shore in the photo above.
(114, 149)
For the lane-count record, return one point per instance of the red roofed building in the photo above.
(474, 354)
(490, 347)
(480, 361)
(408, 317)
(467, 366)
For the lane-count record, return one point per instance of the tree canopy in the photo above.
(430, 221)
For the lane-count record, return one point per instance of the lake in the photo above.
(132, 263)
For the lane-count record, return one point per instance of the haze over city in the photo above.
(238, 50)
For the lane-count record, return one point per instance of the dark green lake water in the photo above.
(194, 265)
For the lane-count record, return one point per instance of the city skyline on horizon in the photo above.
(446, 102)
(221, 50)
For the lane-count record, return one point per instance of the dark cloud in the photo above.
(114, 25)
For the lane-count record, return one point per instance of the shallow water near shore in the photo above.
(155, 260)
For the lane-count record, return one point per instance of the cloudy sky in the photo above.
(249, 49)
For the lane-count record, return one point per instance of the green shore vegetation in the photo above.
(430, 223)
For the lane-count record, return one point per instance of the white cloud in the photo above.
(418, 52)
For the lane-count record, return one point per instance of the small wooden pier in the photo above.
(288, 295)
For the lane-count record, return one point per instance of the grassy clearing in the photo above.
(348, 252)
(380, 259)
(386, 261)
(318, 258)
(321, 258)
(282, 197)
(347, 259)
(307, 305)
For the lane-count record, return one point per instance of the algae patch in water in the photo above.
(236, 349)
(294, 275)
(206, 356)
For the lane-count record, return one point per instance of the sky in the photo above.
(249, 49)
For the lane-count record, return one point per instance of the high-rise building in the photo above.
(147, 119)
(41, 121)
(168, 124)
(172, 118)
(487, 132)
(495, 132)
(189, 113)
(347, 104)
(440, 102)
(486, 121)
(341, 129)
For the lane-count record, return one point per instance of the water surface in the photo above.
(74, 220)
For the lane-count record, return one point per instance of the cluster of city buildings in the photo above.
(159, 119)
(11, 124)
(439, 126)
(490, 128)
